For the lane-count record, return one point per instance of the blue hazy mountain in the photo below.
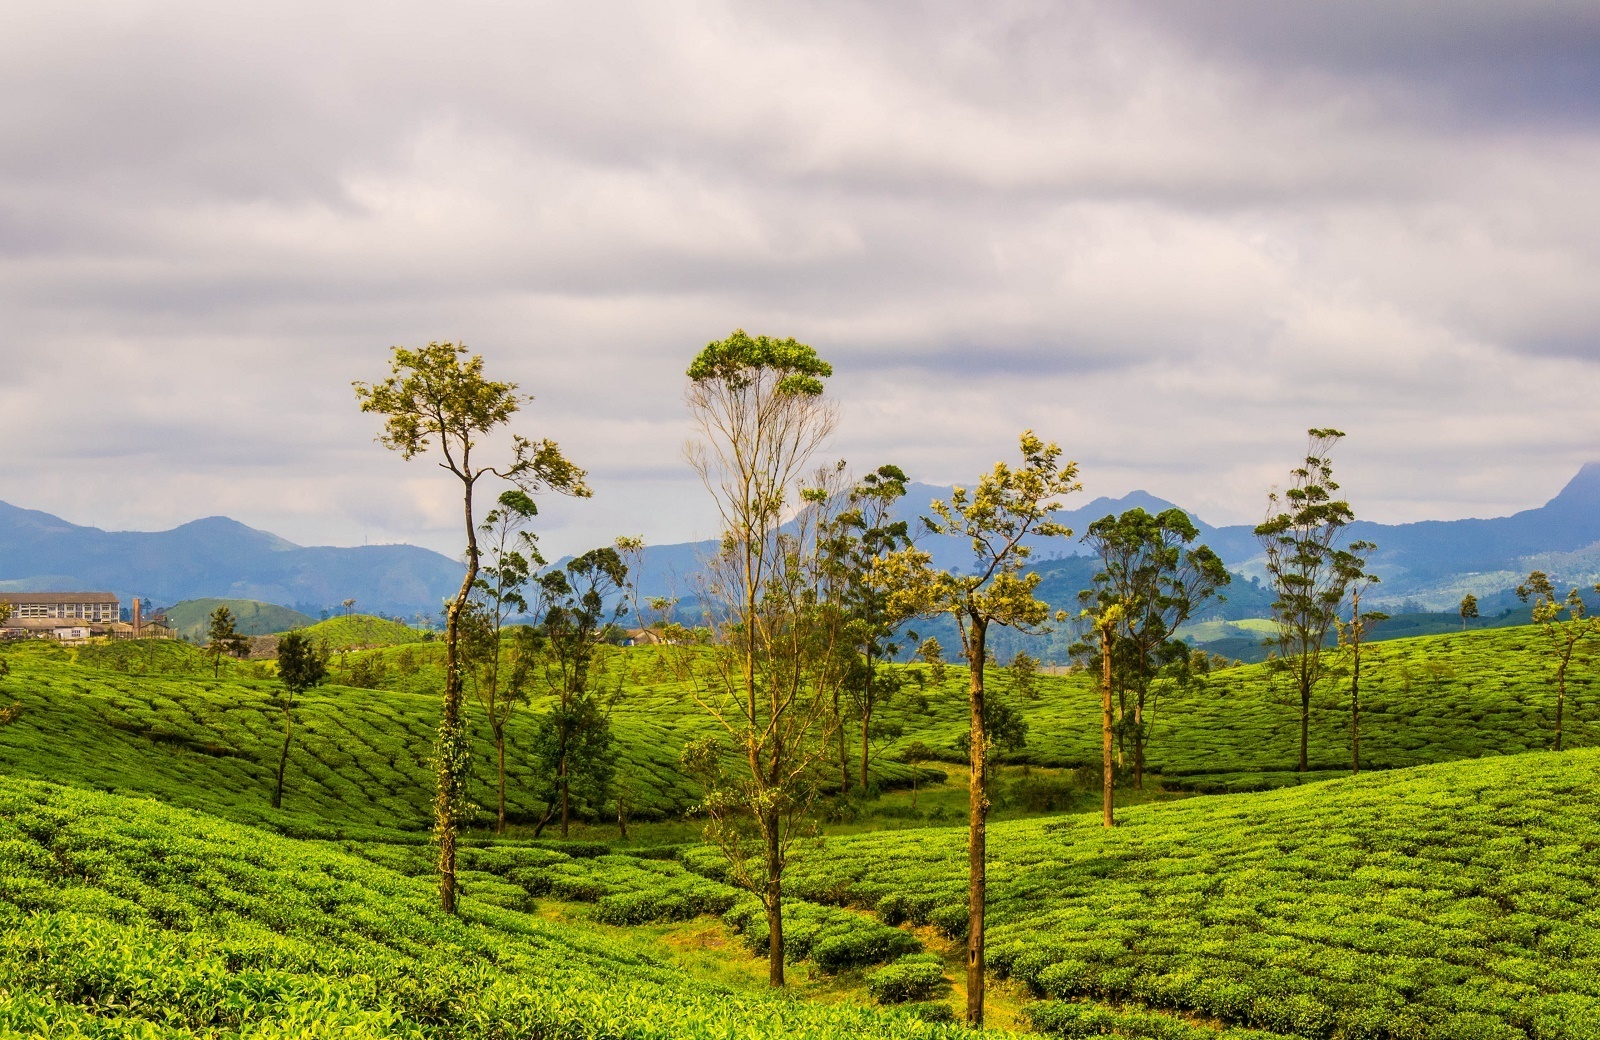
(218, 557)
(1432, 562)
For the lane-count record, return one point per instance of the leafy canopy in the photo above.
(1009, 504)
(741, 359)
(437, 394)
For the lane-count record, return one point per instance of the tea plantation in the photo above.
(124, 917)
(1453, 900)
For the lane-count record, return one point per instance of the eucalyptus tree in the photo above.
(1564, 635)
(1150, 570)
(1308, 570)
(1009, 506)
(499, 595)
(856, 539)
(300, 667)
(437, 398)
(1468, 609)
(767, 680)
(574, 746)
(1353, 636)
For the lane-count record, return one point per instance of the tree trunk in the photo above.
(452, 736)
(1108, 774)
(844, 755)
(622, 816)
(1305, 719)
(1355, 711)
(566, 796)
(1138, 741)
(1561, 698)
(500, 754)
(774, 901)
(978, 806)
(866, 723)
(283, 759)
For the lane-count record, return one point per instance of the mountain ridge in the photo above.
(1431, 562)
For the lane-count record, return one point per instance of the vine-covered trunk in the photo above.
(283, 759)
(1108, 773)
(978, 810)
(452, 749)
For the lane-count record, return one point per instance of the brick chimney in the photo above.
(138, 620)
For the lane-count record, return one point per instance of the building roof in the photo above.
(52, 598)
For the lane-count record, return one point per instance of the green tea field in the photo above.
(149, 889)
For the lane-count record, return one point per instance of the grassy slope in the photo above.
(1424, 700)
(360, 756)
(123, 917)
(149, 718)
(363, 630)
(192, 617)
(1457, 900)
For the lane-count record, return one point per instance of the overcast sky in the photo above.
(1169, 236)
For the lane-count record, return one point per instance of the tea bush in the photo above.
(916, 977)
(124, 917)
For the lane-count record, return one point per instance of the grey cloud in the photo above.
(1171, 240)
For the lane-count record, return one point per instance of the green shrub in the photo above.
(910, 978)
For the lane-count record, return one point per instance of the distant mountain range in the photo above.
(1428, 565)
(218, 557)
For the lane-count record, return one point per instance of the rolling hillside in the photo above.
(192, 617)
(1448, 901)
(124, 917)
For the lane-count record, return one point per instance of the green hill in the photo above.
(364, 630)
(1452, 901)
(192, 617)
(123, 917)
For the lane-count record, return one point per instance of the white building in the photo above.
(67, 616)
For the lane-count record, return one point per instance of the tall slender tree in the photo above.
(1468, 610)
(436, 398)
(300, 667)
(1308, 570)
(1149, 568)
(1353, 636)
(1104, 620)
(513, 556)
(1564, 634)
(862, 534)
(761, 416)
(1009, 506)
